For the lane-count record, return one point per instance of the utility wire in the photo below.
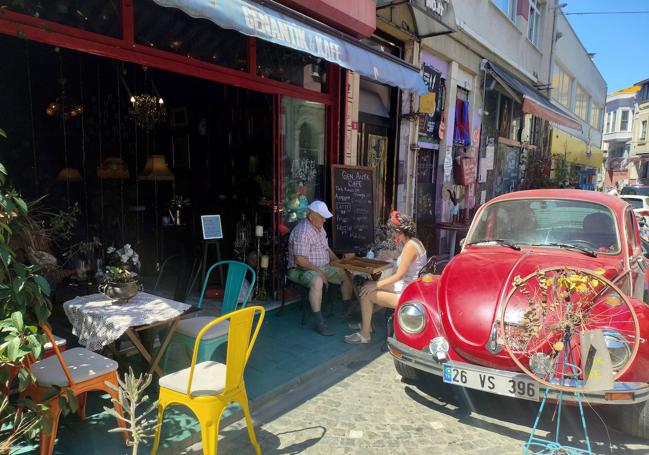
(605, 12)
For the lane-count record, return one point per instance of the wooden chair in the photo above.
(207, 388)
(78, 370)
(187, 329)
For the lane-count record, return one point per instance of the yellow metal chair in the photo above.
(207, 388)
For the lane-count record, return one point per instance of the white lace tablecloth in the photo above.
(98, 321)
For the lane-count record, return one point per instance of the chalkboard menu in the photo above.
(353, 207)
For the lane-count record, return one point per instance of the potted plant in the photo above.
(119, 284)
(125, 258)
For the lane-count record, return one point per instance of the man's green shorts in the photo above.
(302, 276)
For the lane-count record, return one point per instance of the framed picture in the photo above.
(178, 117)
(181, 155)
(211, 225)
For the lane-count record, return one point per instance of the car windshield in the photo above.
(548, 222)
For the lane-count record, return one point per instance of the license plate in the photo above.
(517, 387)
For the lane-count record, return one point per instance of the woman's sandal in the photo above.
(356, 338)
(357, 326)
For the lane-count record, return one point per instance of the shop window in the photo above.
(172, 30)
(102, 17)
(304, 156)
(291, 66)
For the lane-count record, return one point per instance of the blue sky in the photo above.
(621, 42)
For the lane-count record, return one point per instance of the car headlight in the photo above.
(412, 317)
(618, 348)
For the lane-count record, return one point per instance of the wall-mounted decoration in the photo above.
(180, 152)
(178, 117)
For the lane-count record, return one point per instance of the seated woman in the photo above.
(385, 292)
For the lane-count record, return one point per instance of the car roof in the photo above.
(615, 203)
(633, 196)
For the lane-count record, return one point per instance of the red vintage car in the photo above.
(456, 325)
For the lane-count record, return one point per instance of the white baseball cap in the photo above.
(320, 208)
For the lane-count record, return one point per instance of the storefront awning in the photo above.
(303, 34)
(426, 17)
(533, 102)
(575, 150)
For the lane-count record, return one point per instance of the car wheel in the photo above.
(406, 371)
(634, 419)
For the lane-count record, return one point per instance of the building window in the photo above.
(595, 115)
(644, 93)
(534, 23)
(608, 122)
(611, 116)
(581, 103)
(561, 83)
(643, 130)
(624, 121)
(508, 7)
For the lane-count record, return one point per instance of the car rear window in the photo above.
(635, 203)
(638, 190)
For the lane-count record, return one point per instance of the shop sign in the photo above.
(437, 6)
(254, 19)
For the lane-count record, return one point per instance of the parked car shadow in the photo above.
(514, 418)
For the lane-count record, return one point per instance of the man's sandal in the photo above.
(356, 338)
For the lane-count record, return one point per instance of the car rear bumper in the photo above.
(623, 392)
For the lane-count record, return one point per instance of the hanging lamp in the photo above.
(156, 169)
(68, 174)
(113, 167)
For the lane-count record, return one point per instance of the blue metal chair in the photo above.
(188, 329)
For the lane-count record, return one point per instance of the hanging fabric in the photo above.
(466, 128)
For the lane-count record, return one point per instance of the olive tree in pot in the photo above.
(24, 303)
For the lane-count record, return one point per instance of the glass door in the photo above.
(299, 175)
(302, 155)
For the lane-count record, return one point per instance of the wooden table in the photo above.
(372, 267)
(99, 321)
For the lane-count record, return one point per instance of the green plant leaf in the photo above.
(5, 255)
(72, 400)
(13, 348)
(43, 284)
(3, 134)
(17, 319)
(24, 379)
(20, 203)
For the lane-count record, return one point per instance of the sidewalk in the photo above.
(287, 354)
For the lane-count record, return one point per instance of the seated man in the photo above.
(309, 256)
(599, 230)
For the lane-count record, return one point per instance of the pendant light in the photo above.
(113, 167)
(156, 169)
(67, 174)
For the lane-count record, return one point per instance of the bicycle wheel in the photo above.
(546, 314)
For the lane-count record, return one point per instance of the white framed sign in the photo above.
(211, 225)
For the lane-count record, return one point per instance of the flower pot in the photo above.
(120, 291)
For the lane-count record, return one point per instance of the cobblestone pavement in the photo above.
(371, 411)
